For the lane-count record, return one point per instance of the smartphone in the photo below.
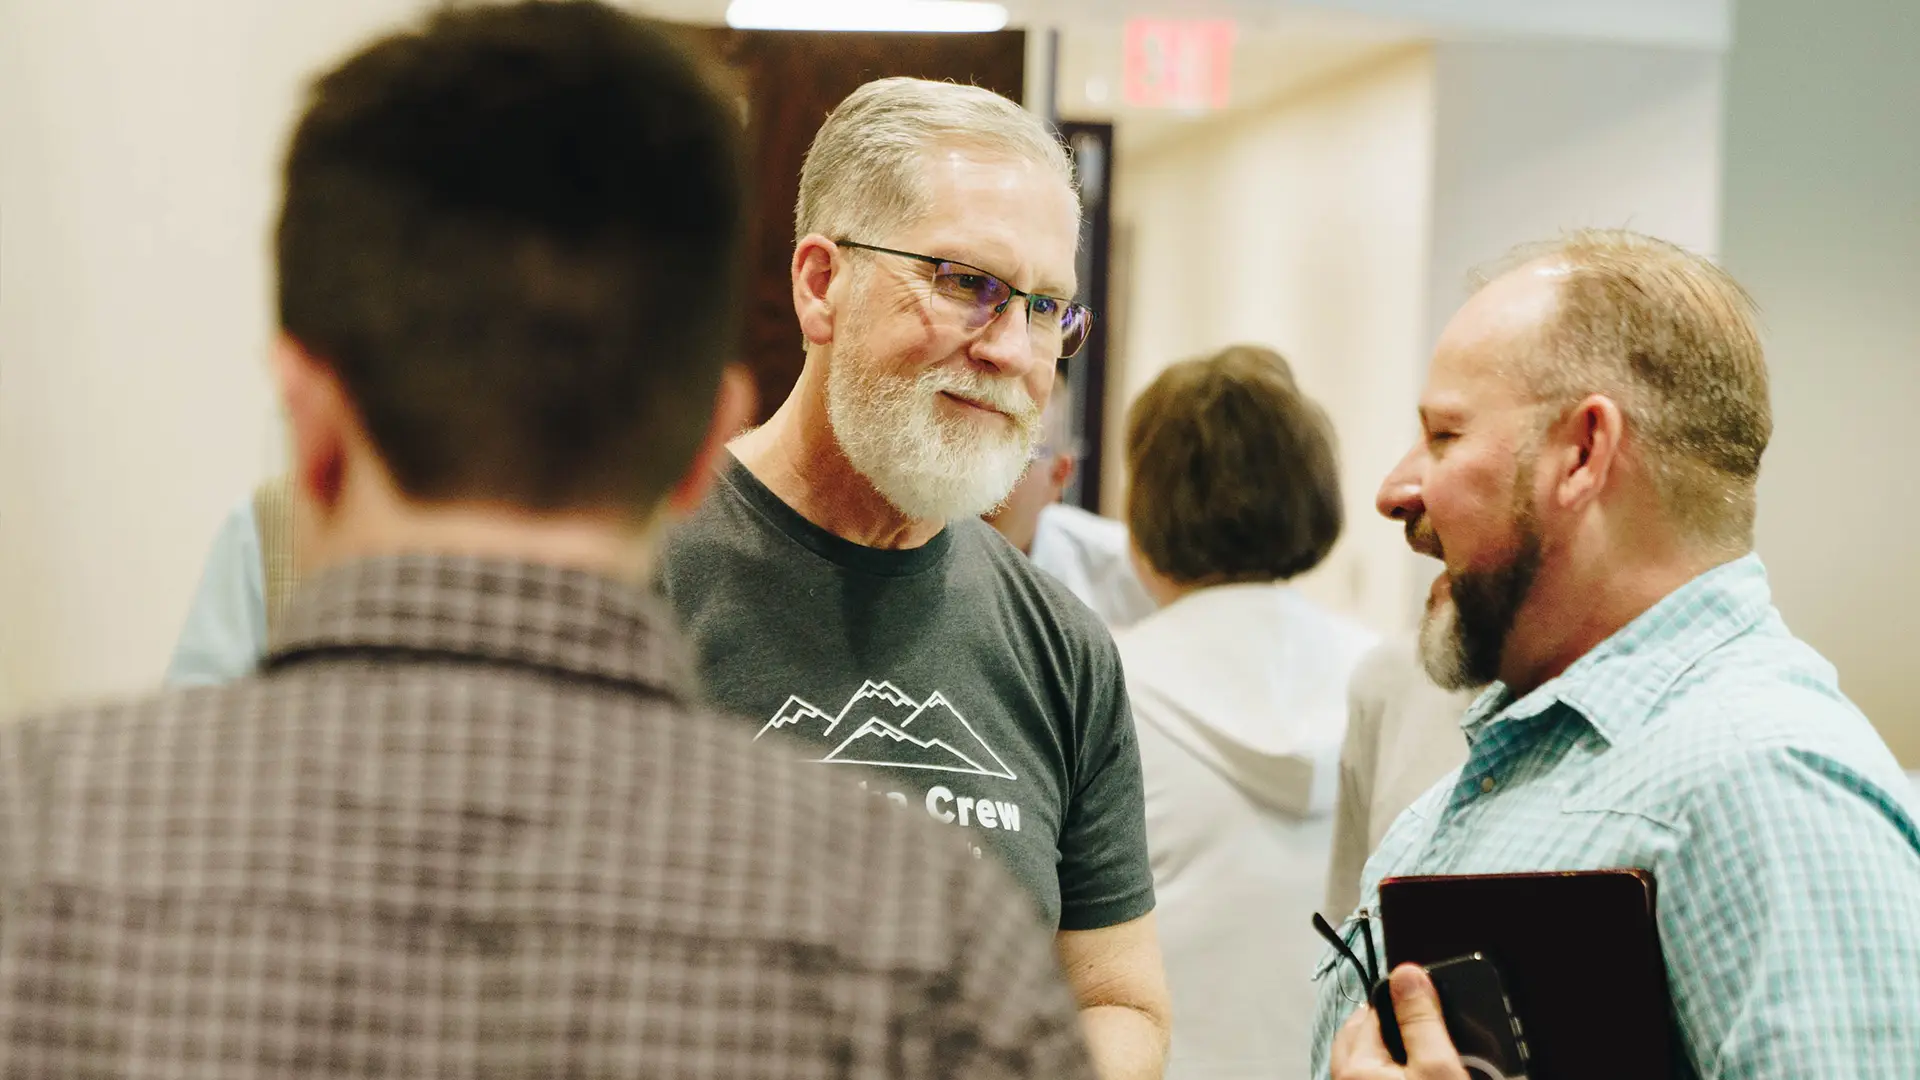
(1480, 1018)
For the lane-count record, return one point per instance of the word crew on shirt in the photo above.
(884, 726)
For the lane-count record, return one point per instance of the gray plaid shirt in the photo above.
(466, 823)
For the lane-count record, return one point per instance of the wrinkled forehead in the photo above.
(1010, 216)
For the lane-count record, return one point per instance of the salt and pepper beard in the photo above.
(1463, 638)
(928, 466)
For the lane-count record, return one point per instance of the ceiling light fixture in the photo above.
(922, 16)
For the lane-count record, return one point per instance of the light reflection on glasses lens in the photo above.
(972, 299)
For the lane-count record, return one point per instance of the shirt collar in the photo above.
(570, 622)
(1617, 684)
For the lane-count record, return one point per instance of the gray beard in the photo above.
(1463, 639)
(890, 429)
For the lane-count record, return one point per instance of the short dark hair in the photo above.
(1234, 473)
(514, 234)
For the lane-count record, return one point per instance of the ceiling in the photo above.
(1285, 47)
(1279, 51)
(1273, 59)
(1684, 23)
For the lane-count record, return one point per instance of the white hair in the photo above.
(865, 174)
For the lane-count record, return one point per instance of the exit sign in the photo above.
(1179, 63)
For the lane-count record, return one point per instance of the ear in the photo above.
(815, 262)
(732, 412)
(1587, 441)
(320, 423)
(1060, 473)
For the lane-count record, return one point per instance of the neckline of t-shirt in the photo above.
(844, 553)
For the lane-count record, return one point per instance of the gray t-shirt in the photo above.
(953, 679)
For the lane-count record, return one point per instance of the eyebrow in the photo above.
(1045, 288)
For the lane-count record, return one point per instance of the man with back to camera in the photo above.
(467, 820)
(1592, 428)
(839, 585)
(1081, 550)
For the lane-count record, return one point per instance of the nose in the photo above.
(1399, 494)
(1003, 344)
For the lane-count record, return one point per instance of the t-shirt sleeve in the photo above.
(1105, 878)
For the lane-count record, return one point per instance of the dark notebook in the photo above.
(1579, 952)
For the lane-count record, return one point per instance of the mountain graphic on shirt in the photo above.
(881, 701)
(883, 725)
(798, 711)
(880, 743)
(874, 700)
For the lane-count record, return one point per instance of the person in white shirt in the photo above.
(1403, 735)
(1082, 550)
(225, 634)
(249, 578)
(1239, 690)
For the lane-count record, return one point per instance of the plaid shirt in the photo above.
(466, 824)
(1705, 743)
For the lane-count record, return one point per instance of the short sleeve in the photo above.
(1791, 918)
(1105, 877)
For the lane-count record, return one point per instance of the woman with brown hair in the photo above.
(1238, 685)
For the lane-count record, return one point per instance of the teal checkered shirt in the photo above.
(1705, 743)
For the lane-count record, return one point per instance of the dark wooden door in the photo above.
(792, 81)
(1091, 145)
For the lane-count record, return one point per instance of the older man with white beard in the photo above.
(842, 591)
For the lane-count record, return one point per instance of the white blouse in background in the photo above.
(1089, 555)
(1240, 697)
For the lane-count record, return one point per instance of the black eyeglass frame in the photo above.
(1000, 308)
(1369, 972)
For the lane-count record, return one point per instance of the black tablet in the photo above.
(1579, 953)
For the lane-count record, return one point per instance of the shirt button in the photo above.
(1486, 785)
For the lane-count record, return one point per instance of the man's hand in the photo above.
(1359, 1054)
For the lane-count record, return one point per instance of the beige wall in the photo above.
(1340, 225)
(1823, 225)
(138, 178)
(1536, 138)
(1302, 225)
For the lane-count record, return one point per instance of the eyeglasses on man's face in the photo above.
(969, 298)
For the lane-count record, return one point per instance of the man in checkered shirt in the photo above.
(467, 821)
(1592, 428)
